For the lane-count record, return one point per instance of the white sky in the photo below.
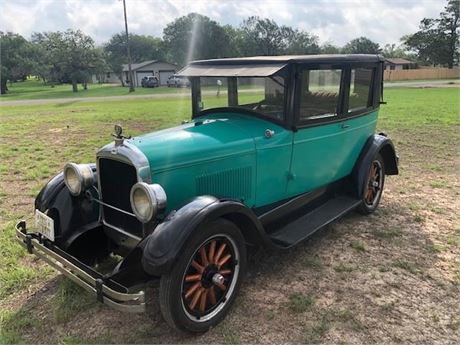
(333, 21)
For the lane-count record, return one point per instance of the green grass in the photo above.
(313, 262)
(411, 267)
(34, 89)
(344, 268)
(358, 245)
(12, 324)
(300, 303)
(71, 299)
(388, 234)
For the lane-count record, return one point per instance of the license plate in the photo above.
(44, 225)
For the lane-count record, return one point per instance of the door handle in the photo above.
(344, 126)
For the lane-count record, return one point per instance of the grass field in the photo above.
(392, 277)
(34, 89)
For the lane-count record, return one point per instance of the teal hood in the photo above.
(205, 139)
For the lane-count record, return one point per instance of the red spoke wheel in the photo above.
(203, 283)
(373, 187)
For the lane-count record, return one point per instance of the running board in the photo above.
(306, 225)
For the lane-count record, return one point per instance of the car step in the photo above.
(309, 223)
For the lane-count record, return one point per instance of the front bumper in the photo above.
(105, 290)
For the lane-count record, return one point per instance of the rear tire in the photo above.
(373, 186)
(203, 284)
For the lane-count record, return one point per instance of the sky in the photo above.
(337, 22)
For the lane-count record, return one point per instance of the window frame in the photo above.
(195, 83)
(344, 93)
(370, 97)
(339, 108)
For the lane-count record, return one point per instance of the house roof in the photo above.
(136, 66)
(398, 61)
(262, 66)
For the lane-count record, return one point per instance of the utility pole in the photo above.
(131, 85)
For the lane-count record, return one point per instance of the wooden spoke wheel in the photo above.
(209, 276)
(203, 282)
(373, 188)
(374, 183)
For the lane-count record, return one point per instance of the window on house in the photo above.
(320, 94)
(360, 87)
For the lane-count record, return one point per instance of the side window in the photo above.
(360, 87)
(320, 94)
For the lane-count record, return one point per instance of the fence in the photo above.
(416, 74)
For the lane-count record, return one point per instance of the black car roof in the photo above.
(321, 58)
(262, 66)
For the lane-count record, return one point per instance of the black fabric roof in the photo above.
(261, 66)
(324, 58)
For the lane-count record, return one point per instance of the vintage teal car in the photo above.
(277, 148)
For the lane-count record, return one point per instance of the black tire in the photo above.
(373, 186)
(181, 301)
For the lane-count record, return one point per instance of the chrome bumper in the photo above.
(127, 302)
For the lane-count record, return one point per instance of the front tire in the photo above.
(201, 287)
(373, 186)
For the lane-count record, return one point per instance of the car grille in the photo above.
(116, 179)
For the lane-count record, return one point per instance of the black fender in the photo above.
(73, 216)
(377, 143)
(164, 245)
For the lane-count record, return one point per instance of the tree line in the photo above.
(72, 56)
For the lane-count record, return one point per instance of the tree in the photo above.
(361, 45)
(195, 37)
(449, 25)
(436, 43)
(15, 59)
(301, 42)
(142, 48)
(71, 55)
(329, 48)
(263, 36)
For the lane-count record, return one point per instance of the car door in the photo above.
(336, 114)
(320, 151)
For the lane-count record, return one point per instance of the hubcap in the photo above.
(374, 185)
(210, 278)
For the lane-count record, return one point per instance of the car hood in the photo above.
(206, 138)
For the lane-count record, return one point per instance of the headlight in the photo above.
(147, 200)
(78, 177)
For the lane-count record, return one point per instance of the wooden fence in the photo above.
(426, 73)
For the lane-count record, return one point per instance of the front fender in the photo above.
(70, 213)
(378, 143)
(167, 241)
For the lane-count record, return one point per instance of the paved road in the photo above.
(414, 84)
(424, 83)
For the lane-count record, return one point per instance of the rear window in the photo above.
(320, 91)
(360, 89)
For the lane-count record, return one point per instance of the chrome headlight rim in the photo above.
(84, 175)
(156, 197)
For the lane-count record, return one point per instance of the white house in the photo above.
(160, 69)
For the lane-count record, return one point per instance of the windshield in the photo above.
(263, 95)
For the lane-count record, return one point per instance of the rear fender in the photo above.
(378, 143)
(167, 241)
